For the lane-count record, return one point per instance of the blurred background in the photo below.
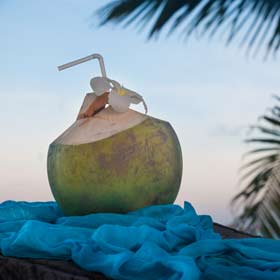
(210, 93)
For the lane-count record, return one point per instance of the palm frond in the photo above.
(260, 198)
(270, 208)
(261, 150)
(264, 140)
(258, 20)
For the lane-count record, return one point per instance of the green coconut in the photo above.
(115, 162)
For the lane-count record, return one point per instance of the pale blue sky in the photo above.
(208, 92)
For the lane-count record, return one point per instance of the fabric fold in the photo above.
(156, 242)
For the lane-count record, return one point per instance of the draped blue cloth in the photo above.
(157, 242)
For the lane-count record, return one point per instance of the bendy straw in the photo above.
(85, 59)
(119, 97)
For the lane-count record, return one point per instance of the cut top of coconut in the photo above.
(104, 124)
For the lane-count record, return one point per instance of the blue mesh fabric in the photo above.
(157, 242)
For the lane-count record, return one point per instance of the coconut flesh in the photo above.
(114, 162)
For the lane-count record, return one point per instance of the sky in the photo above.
(209, 93)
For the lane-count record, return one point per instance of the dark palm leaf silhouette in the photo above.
(257, 20)
(259, 201)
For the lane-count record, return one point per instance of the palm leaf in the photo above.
(270, 208)
(260, 198)
(258, 20)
